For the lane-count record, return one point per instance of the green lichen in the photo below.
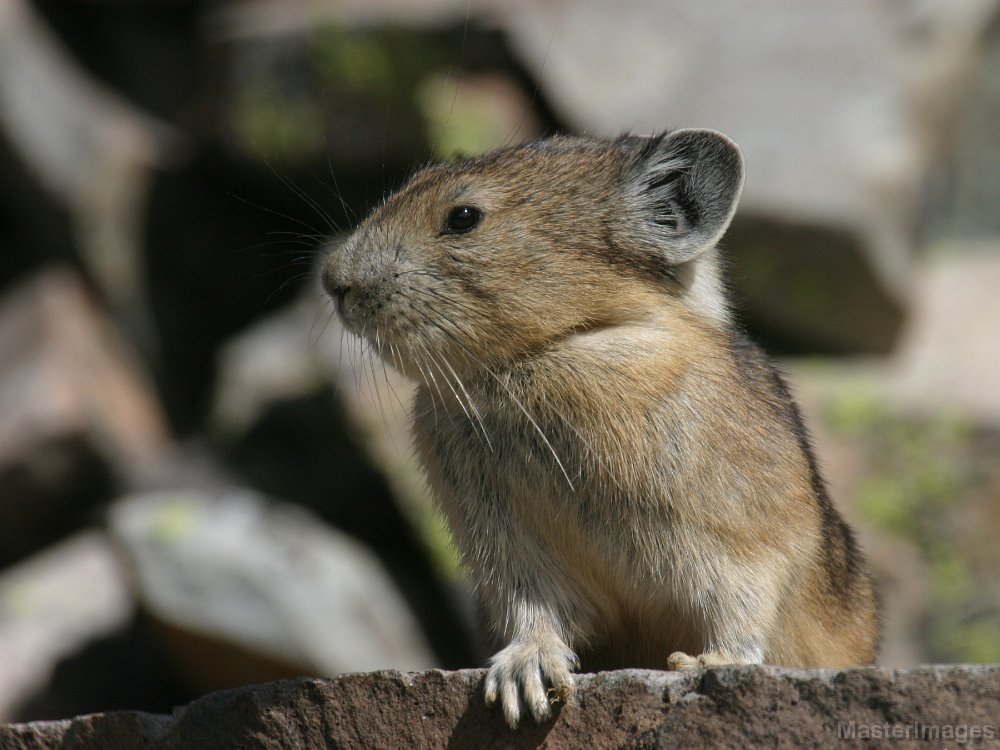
(970, 640)
(360, 61)
(922, 474)
(276, 125)
(176, 519)
(951, 576)
(458, 125)
(856, 412)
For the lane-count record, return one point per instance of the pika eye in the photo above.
(462, 219)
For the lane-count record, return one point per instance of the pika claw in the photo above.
(560, 694)
(518, 676)
(490, 688)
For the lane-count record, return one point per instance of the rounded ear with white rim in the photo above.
(682, 190)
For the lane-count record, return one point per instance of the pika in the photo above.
(626, 477)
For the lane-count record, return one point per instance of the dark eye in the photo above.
(462, 219)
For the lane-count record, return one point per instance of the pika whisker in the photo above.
(421, 368)
(472, 404)
(511, 395)
(478, 427)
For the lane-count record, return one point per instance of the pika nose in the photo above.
(339, 294)
(336, 288)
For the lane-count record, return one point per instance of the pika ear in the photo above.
(682, 191)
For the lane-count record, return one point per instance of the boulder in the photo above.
(948, 359)
(723, 707)
(53, 605)
(241, 589)
(972, 175)
(77, 416)
(91, 149)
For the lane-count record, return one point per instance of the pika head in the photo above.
(485, 259)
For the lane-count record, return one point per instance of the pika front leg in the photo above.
(533, 671)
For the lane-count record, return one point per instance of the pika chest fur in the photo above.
(626, 478)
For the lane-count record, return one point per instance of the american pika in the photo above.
(625, 475)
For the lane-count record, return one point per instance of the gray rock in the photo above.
(53, 605)
(304, 346)
(77, 417)
(949, 359)
(972, 176)
(725, 707)
(947, 362)
(242, 588)
(87, 145)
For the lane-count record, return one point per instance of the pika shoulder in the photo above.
(625, 475)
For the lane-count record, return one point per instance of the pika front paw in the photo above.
(530, 674)
(681, 662)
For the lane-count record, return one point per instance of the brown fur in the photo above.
(625, 475)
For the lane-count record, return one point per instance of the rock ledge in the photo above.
(933, 706)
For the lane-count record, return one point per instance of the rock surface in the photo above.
(727, 707)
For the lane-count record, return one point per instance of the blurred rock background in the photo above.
(202, 483)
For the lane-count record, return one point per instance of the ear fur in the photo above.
(682, 189)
